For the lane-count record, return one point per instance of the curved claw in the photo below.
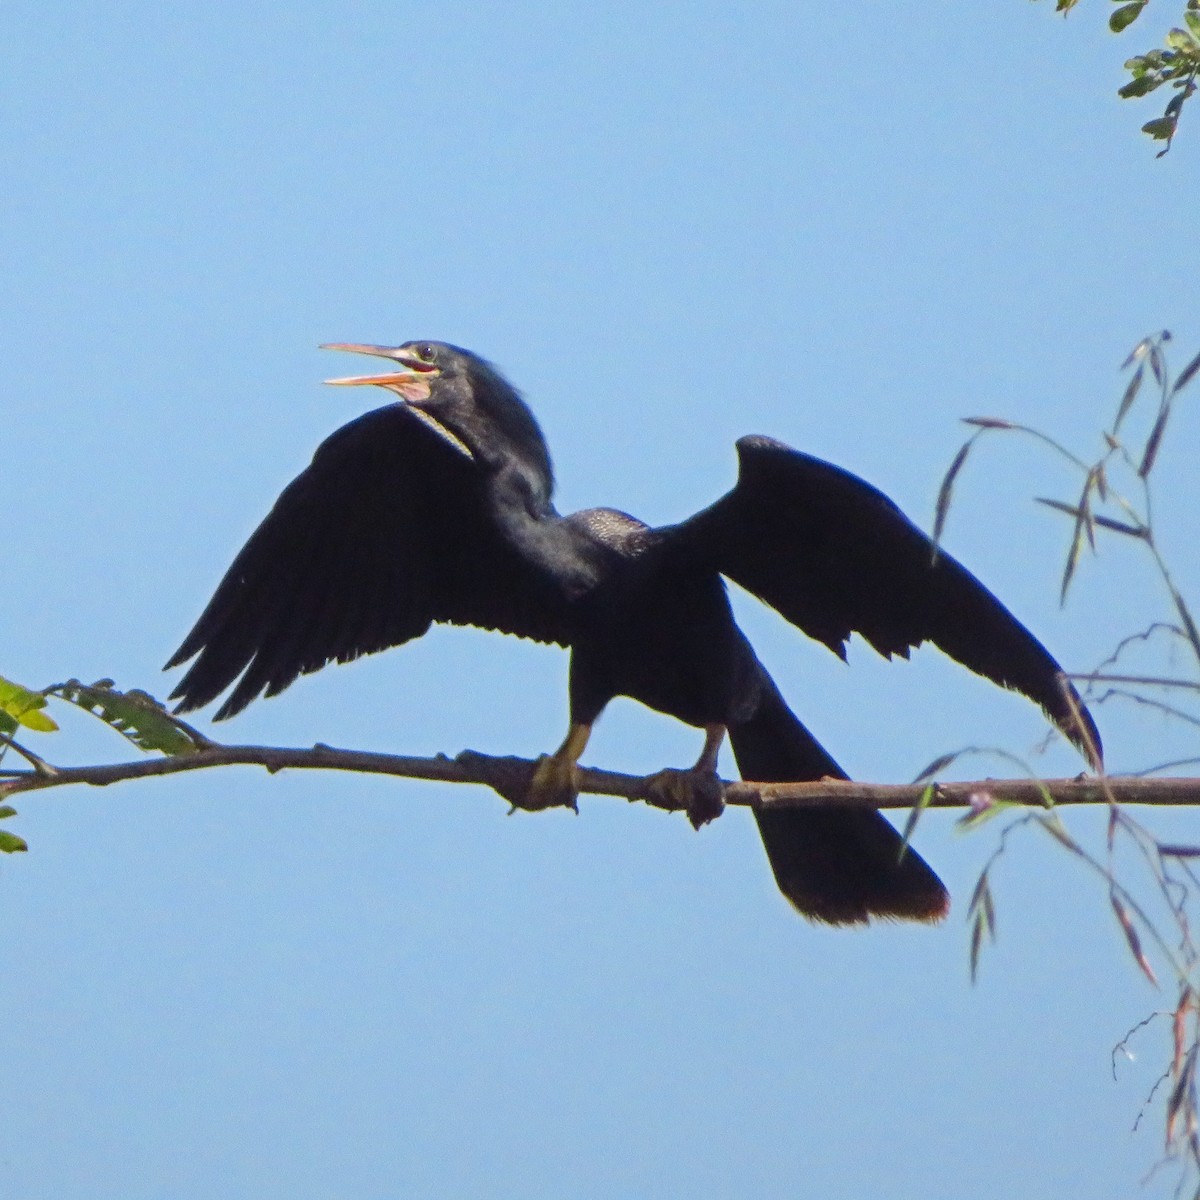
(555, 779)
(699, 792)
(555, 784)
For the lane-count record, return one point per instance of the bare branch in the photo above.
(510, 777)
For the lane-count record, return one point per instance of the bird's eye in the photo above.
(426, 352)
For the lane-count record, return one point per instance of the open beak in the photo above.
(408, 383)
(412, 385)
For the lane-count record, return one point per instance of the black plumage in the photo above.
(439, 508)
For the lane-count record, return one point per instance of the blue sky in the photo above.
(671, 225)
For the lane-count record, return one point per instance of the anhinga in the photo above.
(438, 508)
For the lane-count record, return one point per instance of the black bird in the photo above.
(438, 508)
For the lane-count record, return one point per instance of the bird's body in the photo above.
(691, 661)
(439, 508)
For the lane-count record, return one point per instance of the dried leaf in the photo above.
(1157, 362)
(1128, 398)
(939, 764)
(982, 888)
(1179, 1029)
(1186, 376)
(942, 508)
(1131, 936)
(976, 943)
(1057, 830)
(1085, 508)
(1139, 351)
(1072, 557)
(1185, 615)
(982, 910)
(1179, 1098)
(1154, 441)
(990, 423)
(1137, 531)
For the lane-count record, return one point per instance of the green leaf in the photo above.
(1182, 40)
(1193, 21)
(6, 811)
(11, 844)
(910, 826)
(135, 715)
(23, 705)
(40, 722)
(976, 817)
(1143, 85)
(1162, 129)
(1126, 15)
(1175, 105)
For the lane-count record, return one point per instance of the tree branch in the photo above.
(510, 777)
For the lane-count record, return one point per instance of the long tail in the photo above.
(841, 866)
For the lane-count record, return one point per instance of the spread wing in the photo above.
(387, 530)
(835, 556)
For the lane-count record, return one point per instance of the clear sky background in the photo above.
(843, 225)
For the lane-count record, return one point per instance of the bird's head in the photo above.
(460, 396)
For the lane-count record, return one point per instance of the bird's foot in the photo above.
(554, 784)
(699, 792)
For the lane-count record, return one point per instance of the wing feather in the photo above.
(386, 531)
(835, 556)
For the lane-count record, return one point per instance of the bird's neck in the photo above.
(520, 495)
(529, 522)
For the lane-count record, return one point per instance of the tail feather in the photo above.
(841, 866)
